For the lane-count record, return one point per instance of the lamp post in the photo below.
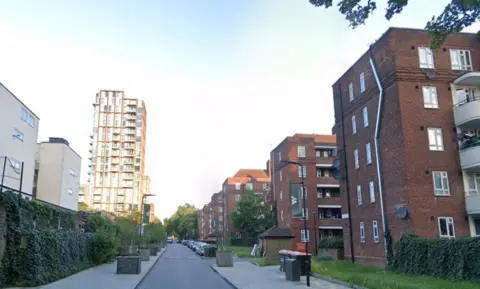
(316, 231)
(305, 228)
(141, 212)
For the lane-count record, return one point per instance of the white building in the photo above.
(58, 173)
(18, 142)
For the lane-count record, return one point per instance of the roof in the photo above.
(318, 138)
(276, 233)
(1, 84)
(254, 173)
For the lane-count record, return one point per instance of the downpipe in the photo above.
(377, 137)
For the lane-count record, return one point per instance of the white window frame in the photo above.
(430, 97)
(301, 191)
(18, 134)
(300, 171)
(359, 195)
(376, 238)
(362, 82)
(72, 172)
(24, 114)
(355, 156)
(354, 124)
(281, 195)
(350, 92)
(305, 237)
(362, 232)
(279, 156)
(31, 120)
(281, 215)
(456, 57)
(304, 214)
(371, 186)
(368, 150)
(249, 186)
(265, 187)
(301, 151)
(445, 186)
(281, 176)
(70, 191)
(448, 220)
(428, 61)
(435, 144)
(237, 197)
(365, 116)
(238, 186)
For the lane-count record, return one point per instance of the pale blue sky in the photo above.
(222, 79)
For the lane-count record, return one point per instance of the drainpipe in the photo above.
(377, 137)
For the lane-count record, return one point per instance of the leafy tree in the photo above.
(252, 217)
(182, 222)
(83, 207)
(457, 15)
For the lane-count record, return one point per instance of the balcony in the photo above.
(472, 201)
(470, 78)
(470, 156)
(467, 112)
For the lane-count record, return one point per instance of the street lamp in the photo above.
(304, 212)
(141, 212)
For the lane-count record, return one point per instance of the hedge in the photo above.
(448, 258)
(42, 244)
(331, 243)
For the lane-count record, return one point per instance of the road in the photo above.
(181, 268)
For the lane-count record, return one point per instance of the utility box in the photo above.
(292, 270)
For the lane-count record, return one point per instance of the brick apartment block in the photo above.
(427, 136)
(234, 188)
(316, 153)
(216, 214)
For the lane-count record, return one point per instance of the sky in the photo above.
(224, 81)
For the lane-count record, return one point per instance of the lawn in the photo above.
(241, 251)
(376, 278)
(262, 262)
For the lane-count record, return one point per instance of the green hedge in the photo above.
(455, 258)
(331, 243)
(43, 245)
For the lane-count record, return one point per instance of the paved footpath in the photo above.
(245, 275)
(103, 277)
(181, 268)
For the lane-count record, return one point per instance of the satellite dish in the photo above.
(337, 175)
(401, 211)
(336, 163)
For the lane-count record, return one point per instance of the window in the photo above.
(350, 91)
(446, 227)
(461, 59)
(435, 139)
(362, 82)
(304, 214)
(303, 192)
(281, 195)
(281, 176)
(237, 197)
(365, 117)
(237, 186)
(354, 125)
(355, 156)
(70, 191)
(300, 171)
(359, 195)
(425, 56)
(430, 99)
(301, 151)
(368, 150)
(362, 233)
(31, 121)
(249, 186)
(440, 184)
(238, 235)
(24, 114)
(72, 172)
(371, 185)
(375, 232)
(305, 236)
(281, 215)
(15, 164)
(279, 156)
(266, 187)
(18, 134)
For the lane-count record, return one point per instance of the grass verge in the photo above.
(241, 251)
(377, 278)
(262, 262)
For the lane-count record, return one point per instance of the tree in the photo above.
(252, 217)
(183, 221)
(457, 15)
(82, 206)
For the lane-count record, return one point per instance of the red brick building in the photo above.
(216, 215)
(316, 153)
(232, 190)
(418, 109)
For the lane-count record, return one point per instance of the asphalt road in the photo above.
(181, 268)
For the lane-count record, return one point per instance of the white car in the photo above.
(199, 248)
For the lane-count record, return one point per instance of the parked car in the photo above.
(200, 248)
(169, 240)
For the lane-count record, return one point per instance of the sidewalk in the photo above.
(245, 275)
(103, 277)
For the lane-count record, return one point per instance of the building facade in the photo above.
(117, 152)
(323, 211)
(19, 131)
(57, 173)
(84, 195)
(216, 213)
(234, 188)
(406, 118)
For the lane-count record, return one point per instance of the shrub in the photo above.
(331, 243)
(104, 247)
(455, 258)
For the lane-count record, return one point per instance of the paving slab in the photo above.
(245, 275)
